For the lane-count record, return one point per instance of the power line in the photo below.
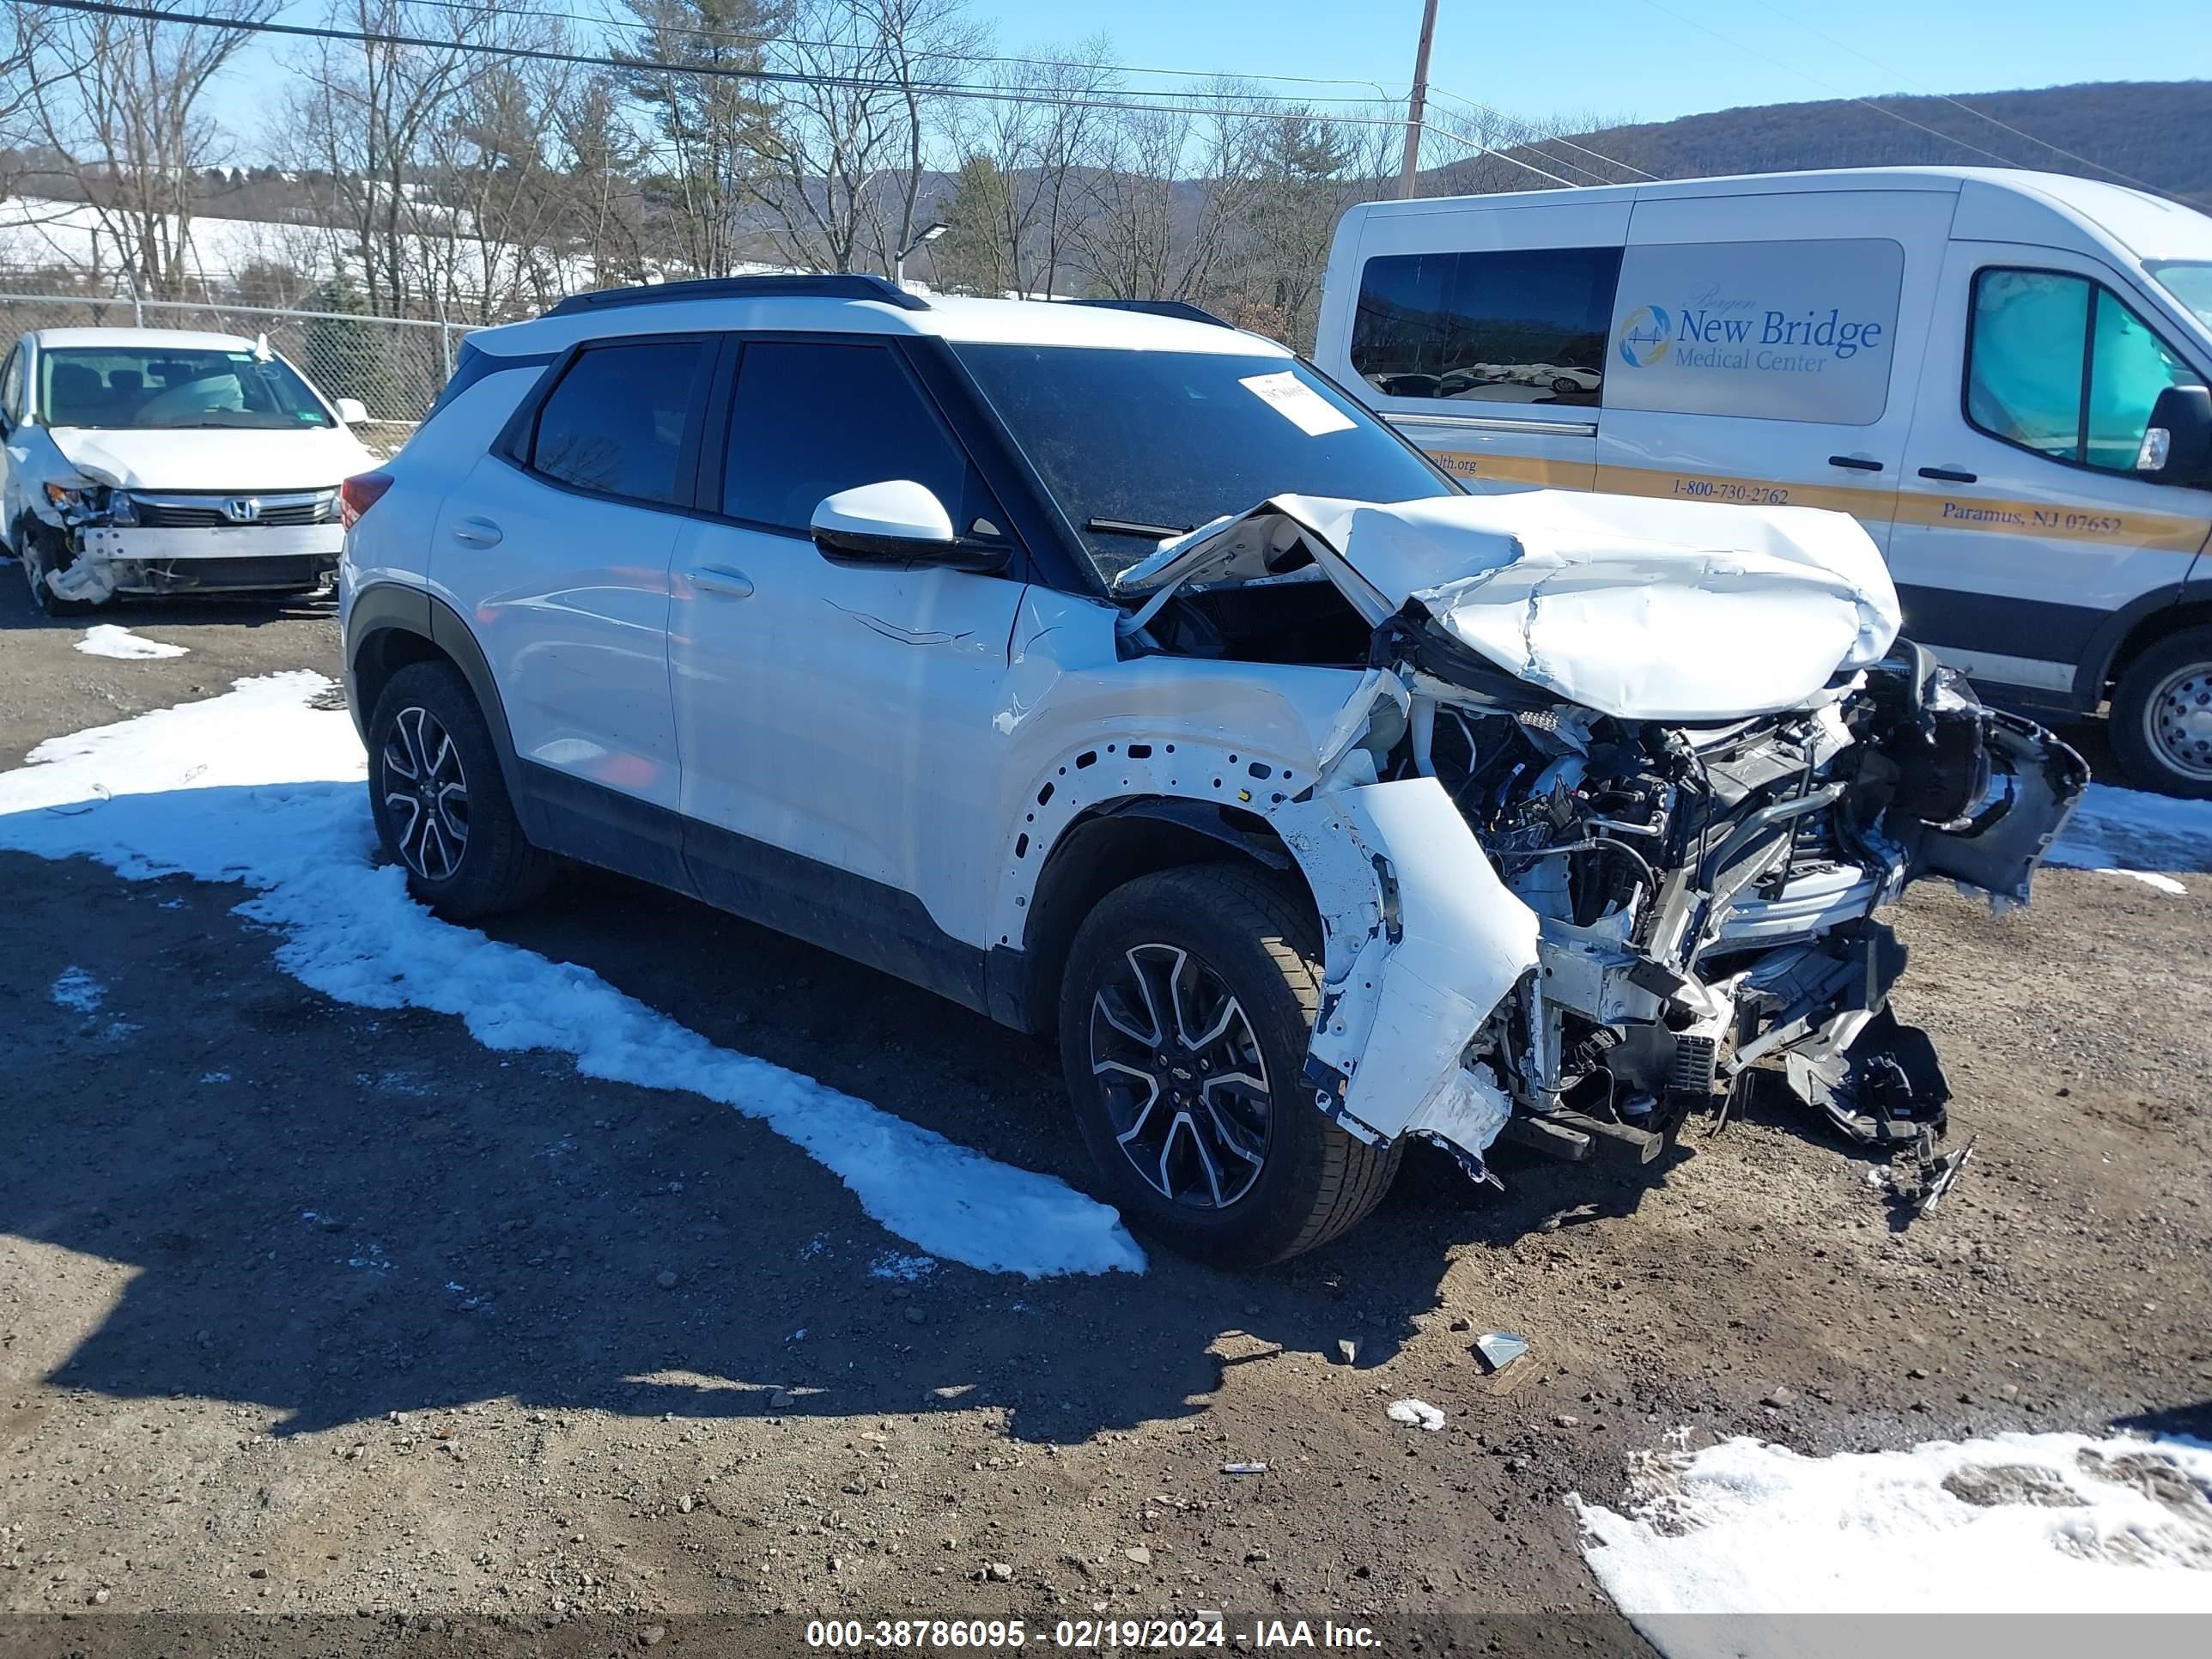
(2002, 160)
(701, 31)
(1878, 109)
(635, 64)
(2058, 150)
(1536, 143)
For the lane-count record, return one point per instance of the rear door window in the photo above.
(1521, 325)
(811, 418)
(623, 420)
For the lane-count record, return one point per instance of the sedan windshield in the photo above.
(2188, 280)
(1138, 446)
(169, 388)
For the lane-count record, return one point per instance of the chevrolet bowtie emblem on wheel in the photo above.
(242, 509)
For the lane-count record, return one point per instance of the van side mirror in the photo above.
(352, 412)
(899, 522)
(2177, 446)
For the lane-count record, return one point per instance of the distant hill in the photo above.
(2157, 131)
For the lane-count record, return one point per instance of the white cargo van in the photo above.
(2001, 374)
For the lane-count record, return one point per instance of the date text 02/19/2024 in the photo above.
(1149, 1635)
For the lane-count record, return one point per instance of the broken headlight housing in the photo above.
(93, 503)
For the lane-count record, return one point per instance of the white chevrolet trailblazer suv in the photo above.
(152, 461)
(1110, 672)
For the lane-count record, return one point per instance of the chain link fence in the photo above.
(394, 365)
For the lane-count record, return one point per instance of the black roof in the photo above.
(843, 285)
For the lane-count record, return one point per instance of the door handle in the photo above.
(1855, 463)
(721, 578)
(1948, 475)
(476, 533)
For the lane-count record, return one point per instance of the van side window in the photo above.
(1522, 325)
(2060, 365)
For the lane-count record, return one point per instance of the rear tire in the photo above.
(2161, 725)
(1219, 946)
(440, 801)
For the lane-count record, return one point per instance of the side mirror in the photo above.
(2177, 447)
(899, 522)
(352, 412)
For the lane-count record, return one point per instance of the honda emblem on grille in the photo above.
(242, 509)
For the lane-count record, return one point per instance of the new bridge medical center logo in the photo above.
(1644, 336)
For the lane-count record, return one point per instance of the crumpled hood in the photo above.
(232, 458)
(1640, 609)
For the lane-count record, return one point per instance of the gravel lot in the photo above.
(669, 1389)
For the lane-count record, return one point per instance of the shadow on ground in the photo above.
(335, 1213)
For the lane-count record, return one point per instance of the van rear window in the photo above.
(1515, 325)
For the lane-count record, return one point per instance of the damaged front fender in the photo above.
(1422, 942)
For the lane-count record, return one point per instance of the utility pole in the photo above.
(1419, 103)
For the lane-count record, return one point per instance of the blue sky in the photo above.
(1615, 59)
(1649, 59)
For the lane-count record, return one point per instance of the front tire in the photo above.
(2161, 727)
(1185, 1013)
(441, 802)
(42, 552)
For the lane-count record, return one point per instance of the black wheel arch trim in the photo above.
(1112, 843)
(393, 606)
(2098, 657)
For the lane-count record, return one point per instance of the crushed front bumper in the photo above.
(119, 559)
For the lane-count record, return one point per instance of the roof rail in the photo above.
(841, 285)
(1178, 308)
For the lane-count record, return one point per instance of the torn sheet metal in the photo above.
(1422, 942)
(1640, 609)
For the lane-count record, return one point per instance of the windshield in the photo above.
(1139, 445)
(172, 388)
(2188, 280)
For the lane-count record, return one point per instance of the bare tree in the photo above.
(361, 124)
(119, 102)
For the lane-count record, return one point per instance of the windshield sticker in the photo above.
(1298, 402)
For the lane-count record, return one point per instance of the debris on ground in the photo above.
(1244, 1469)
(1498, 1349)
(1417, 1414)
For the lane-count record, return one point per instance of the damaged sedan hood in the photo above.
(1639, 609)
(243, 459)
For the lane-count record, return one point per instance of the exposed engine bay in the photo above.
(1665, 907)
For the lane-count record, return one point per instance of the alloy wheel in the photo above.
(1184, 1081)
(426, 794)
(2178, 721)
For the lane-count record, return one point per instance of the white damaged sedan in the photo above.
(157, 461)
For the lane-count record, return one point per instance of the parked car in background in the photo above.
(157, 461)
(2003, 375)
(1119, 676)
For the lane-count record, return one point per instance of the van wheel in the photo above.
(2162, 716)
(1184, 1016)
(441, 802)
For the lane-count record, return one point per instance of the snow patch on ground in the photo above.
(257, 787)
(2015, 1523)
(107, 639)
(1416, 1414)
(78, 992)
(2131, 832)
(904, 1269)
